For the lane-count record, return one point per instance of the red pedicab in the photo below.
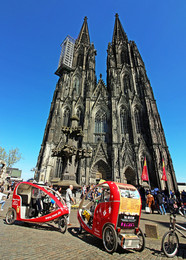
(37, 204)
(113, 215)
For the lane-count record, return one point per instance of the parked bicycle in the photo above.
(170, 240)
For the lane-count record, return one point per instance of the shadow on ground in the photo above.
(96, 242)
(44, 226)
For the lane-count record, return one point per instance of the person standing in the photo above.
(69, 199)
(58, 193)
(142, 194)
(150, 201)
(161, 203)
(9, 191)
(2, 199)
(83, 191)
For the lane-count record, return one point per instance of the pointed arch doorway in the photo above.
(102, 171)
(130, 175)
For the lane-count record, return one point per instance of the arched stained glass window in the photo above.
(137, 121)
(127, 85)
(100, 125)
(140, 85)
(124, 57)
(76, 84)
(80, 60)
(66, 117)
(123, 121)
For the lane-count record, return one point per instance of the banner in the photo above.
(164, 176)
(144, 175)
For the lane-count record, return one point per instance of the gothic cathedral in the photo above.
(97, 131)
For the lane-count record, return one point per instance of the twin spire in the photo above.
(118, 35)
(84, 34)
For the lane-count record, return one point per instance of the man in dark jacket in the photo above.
(161, 203)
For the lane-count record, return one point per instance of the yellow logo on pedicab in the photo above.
(17, 210)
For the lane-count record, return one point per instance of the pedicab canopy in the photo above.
(130, 201)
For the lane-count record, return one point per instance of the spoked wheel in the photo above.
(62, 224)
(141, 240)
(110, 239)
(170, 243)
(10, 216)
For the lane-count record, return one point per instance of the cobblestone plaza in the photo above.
(28, 241)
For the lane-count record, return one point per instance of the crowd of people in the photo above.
(152, 200)
(155, 200)
(163, 201)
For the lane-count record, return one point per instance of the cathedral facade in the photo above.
(103, 131)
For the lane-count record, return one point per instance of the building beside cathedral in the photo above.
(103, 131)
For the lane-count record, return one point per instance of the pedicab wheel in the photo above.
(10, 216)
(170, 243)
(110, 240)
(141, 240)
(62, 224)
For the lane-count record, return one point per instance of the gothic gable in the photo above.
(100, 102)
(100, 153)
(142, 145)
(100, 93)
(77, 73)
(128, 160)
(122, 101)
(125, 71)
(136, 102)
(67, 103)
(143, 150)
(79, 102)
(100, 89)
(127, 154)
(126, 148)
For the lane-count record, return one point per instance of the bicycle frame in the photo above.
(175, 227)
(170, 240)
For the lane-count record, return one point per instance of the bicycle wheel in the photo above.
(170, 243)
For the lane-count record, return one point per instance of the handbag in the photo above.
(147, 209)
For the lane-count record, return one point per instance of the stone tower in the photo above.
(97, 131)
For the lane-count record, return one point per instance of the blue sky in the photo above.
(31, 34)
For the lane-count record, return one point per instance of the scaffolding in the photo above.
(67, 51)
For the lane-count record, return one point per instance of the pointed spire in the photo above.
(84, 34)
(118, 34)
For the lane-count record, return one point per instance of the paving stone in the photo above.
(23, 241)
(151, 230)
